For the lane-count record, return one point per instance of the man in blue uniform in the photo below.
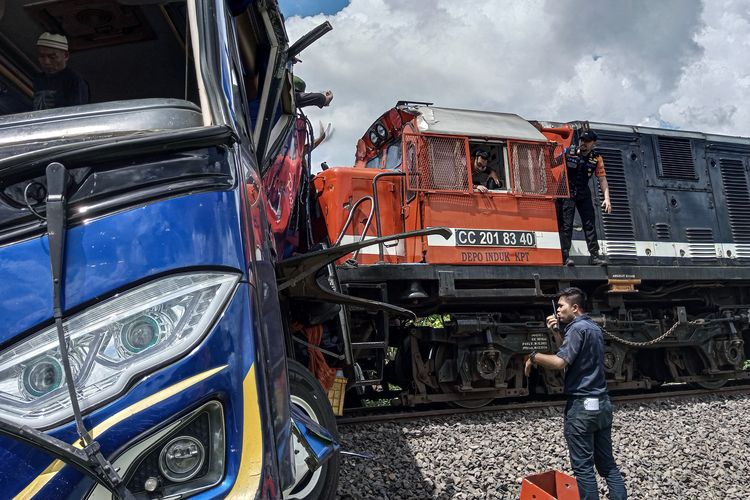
(588, 413)
(582, 162)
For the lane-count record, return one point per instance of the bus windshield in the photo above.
(73, 53)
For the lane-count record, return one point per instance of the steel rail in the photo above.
(409, 414)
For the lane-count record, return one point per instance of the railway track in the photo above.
(378, 414)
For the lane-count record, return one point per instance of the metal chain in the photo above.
(653, 341)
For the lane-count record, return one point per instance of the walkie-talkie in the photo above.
(557, 319)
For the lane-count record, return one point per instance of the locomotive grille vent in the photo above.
(676, 159)
(618, 226)
(743, 251)
(663, 231)
(701, 244)
(737, 195)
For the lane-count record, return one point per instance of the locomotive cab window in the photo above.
(393, 155)
(373, 162)
(496, 174)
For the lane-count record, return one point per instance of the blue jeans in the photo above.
(589, 437)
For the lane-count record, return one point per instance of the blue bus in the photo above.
(143, 235)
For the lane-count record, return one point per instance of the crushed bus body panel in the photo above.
(137, 256)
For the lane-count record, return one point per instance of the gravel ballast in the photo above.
(672, 449)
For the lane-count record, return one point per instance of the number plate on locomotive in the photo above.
(494, 238)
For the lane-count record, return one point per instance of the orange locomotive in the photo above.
(414, 171)
(417, 159)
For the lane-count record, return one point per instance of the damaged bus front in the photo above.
(142, 349)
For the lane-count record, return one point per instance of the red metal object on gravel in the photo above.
(550, 485)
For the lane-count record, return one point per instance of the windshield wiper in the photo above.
(57, 183)
(86, 152)
(88, 458)
(82, 459)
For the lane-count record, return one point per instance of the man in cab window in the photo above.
(483, 176)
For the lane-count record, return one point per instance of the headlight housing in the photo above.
(109, 345)
(374, 138)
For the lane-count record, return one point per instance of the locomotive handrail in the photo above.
(378, 227)
(351, 216)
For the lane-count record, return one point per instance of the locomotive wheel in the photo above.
(439, 355)
(712, 384)
(695, 367)
(307, 394)
(471, 403)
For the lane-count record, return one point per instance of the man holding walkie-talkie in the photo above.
(588, 413)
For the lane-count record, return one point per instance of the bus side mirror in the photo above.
(308, 39)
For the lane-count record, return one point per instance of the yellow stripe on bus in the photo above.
(50, 472)
(251, 463)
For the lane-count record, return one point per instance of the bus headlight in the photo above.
(144, 332)
(42, 376)
(109, 345)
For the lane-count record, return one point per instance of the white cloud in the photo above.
(637, 62)
(714, 92)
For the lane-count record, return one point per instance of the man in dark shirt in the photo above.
(58, 85)
(588, 413)
(482, 176)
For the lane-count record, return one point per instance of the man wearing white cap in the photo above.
(58, 85)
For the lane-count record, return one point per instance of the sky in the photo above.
(670, 63)
(311, 7)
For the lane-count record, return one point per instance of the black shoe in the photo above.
(570, 262)
(597, 260)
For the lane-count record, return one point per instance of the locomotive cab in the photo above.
(414, 170)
